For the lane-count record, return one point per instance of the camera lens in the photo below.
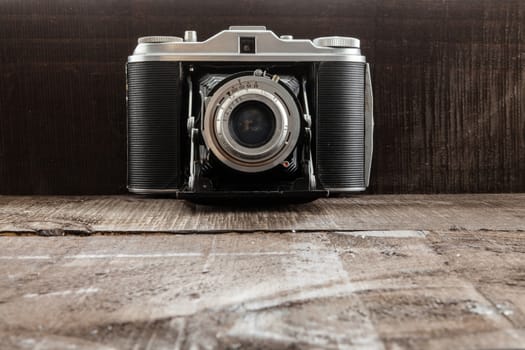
(252, 124)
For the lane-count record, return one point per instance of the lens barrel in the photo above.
(252, 123)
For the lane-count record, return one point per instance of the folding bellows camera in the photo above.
(248, 114)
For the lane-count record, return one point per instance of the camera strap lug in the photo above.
(309, 166)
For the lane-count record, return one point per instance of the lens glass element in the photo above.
(252, 124)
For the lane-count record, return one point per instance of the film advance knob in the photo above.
(159, 39)
(337, 42)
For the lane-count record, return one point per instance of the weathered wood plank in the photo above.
(85, 215)
(308, 290)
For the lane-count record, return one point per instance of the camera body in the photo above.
(248, 114)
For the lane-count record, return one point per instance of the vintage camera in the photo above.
(248, 114)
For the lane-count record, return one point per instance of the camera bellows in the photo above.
(153, 125)
(341, 126)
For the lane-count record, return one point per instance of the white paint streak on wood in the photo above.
(270, 328)
(344, 288)
(253, 254)
(307, 293)
(81, 291)
(385, 233)
(25, 257)
(315, 272)
(181, 325)
(143, 256)
(133, 256)
(151, 341)
(253, 326)
(210, 258)
(510, 339)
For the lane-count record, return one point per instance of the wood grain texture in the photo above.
(448, 80)
(445, 290)
(125, 214)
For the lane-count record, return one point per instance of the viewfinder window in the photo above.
(247, 45)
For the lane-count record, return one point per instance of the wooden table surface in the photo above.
(369, 272)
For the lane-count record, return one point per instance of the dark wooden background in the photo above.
(448, 81)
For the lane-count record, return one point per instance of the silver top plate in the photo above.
(262, 46)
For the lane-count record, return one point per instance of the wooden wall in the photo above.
(448, 81)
